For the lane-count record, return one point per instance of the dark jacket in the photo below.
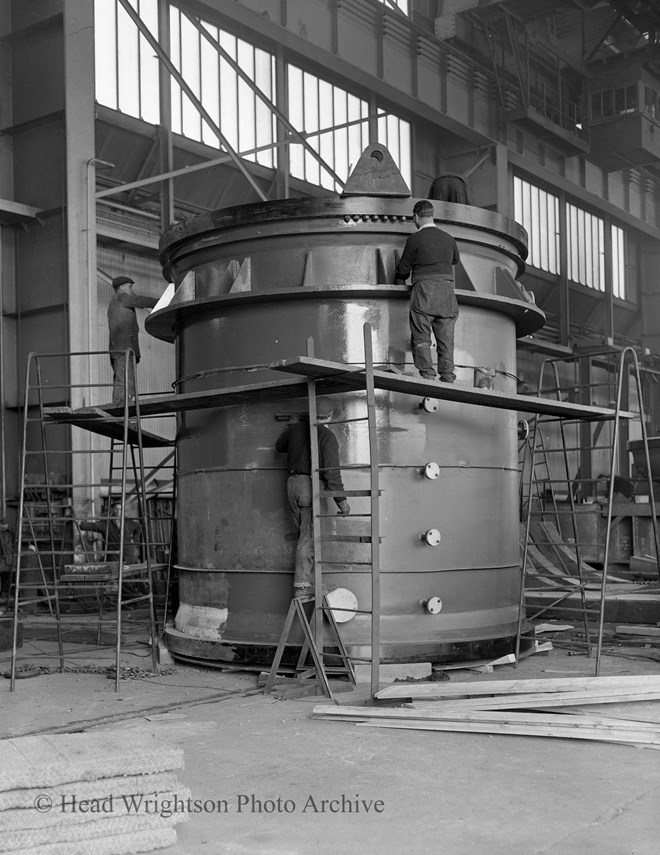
(295, 442)
(429, 253)
(122, 321)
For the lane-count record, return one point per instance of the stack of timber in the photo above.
(546, 707)
(109, 793)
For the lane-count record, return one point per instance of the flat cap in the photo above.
(122, 280)
(324, 407)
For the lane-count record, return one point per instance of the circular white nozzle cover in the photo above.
(339, 600)
(434, 605)
(430, 405)
(431, 471)
(432, 537)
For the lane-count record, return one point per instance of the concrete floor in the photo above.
(450, 793)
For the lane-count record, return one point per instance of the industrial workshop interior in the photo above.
(330, 383)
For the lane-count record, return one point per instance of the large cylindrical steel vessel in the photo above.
(253, 283)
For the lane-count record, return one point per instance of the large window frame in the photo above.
(248, 124)
(126, 70)
(335, 122)
(619, 282)
(338, 121)
(585, 247)
(538, 211)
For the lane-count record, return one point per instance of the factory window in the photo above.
(126, 68)
(394, 133)
(248, 123)
(336, 125)
(651, 105)
(614, 102)
(402, 5)
(618, 262)
(538, 211)
(585, 248)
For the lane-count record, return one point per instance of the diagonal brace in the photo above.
(176, 74)
(262, 96)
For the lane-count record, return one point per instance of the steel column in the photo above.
(78, 79)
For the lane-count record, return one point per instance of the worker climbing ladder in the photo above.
(54, 568)
(329, 528)
(559, 478)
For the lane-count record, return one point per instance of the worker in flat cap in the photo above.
(429, 258)
(295, 442)
(124, 333)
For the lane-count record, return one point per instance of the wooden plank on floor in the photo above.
(535, 701)
(539, 699)
(503, 687)
(329, 712)
(638, 630)
(638, 739)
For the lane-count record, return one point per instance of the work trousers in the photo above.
(433, 309)
(123, 371)
(421, 326)
(299, 494)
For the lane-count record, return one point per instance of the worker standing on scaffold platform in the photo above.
(429, 257)
(124, 333)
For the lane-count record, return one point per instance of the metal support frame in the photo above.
(374, 497)
(522, 67)
(627, 360)
(626, 353)
(538, 443)
(232, 155)
(166, 149)
(295, 133)
(216, 161)
(174, 72)
(55, 573)
(316, 507)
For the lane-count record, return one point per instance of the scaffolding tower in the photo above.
(319, 376)
(570, 563)
(91, 537)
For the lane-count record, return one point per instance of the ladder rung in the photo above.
(342, 609)
(344, 421)
(331, 493)
(343, 516)
(571, 448)
(139, 599)
(551, 419)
